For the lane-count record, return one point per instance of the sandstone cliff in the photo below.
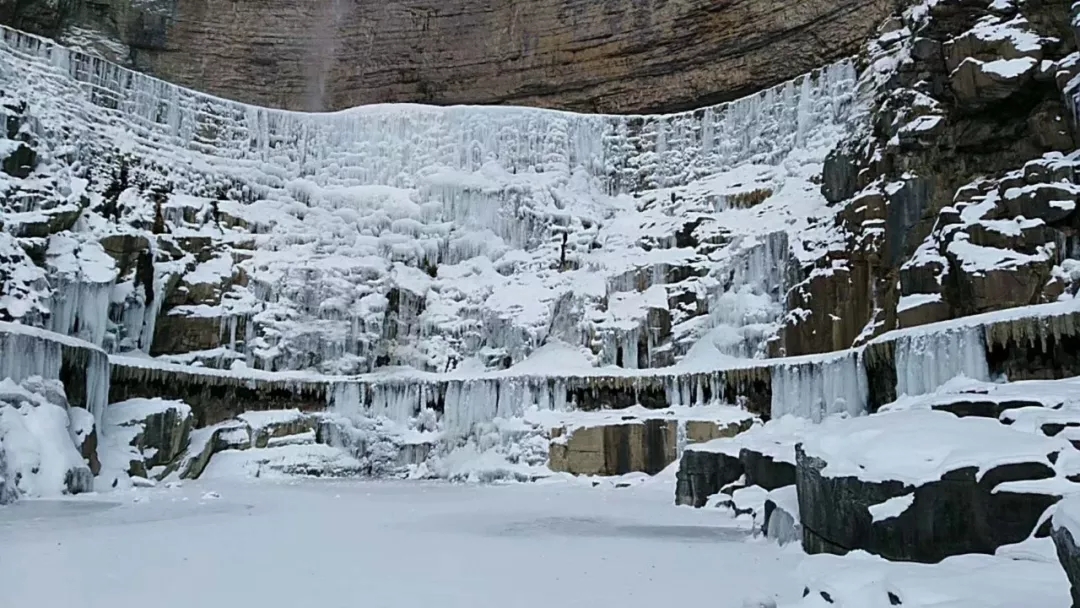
(624, 56)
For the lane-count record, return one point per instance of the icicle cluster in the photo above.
(927, 360)
(27, 352)
(816, 387)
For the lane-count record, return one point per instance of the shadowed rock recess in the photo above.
(623, 56)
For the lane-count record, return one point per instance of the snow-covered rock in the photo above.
(922, 485)
(38, 456)
(142, 435)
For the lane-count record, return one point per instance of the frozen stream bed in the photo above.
(400, 544)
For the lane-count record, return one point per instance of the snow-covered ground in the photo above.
(401, 544)
(346, 544)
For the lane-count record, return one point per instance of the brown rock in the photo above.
(573, 54)
(927, 311)
(180, 333)
(646, 446)
(700, 431)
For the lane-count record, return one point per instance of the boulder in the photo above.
(700, 431)
(205, 442)
(37, 455)
(271, 426)
(763, 456)
(977, 83)
(646, 445)
(702, 473)
(781, 521)
(1066, 535)
(921, 485)
(157, 431)
(84, 434)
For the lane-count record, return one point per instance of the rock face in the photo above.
(1066, 537)
(619, 57)
(955, 196)
(762, 456)
(853, 497)
(647, 446)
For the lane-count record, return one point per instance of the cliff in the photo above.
(637, 56)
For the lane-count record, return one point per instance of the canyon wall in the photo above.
(629, 56)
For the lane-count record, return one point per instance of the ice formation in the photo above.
(925, 361)
(818, 386)
(427, 236)
(26, 352)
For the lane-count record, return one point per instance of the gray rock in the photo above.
(956, 514)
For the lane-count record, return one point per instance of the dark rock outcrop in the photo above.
(702, 474)
(960, 513)
(943, 215)
(1068, 551)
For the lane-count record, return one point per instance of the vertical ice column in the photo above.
(23, 354)
(817, 387)
(346, 398)
(469, 402)
(925, 361)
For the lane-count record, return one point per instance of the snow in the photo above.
(919, 446)
(37, 455)
(124, 413)
(916, 300)
(1067, 516)
(479, 543)
(1010, 68)
(964, 581)
(893, 507)
(263, 419)
(776, 439)
(1050, 394)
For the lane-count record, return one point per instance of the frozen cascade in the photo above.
(80, 309)
(818, 386)
(341, 201)
(27, 351)
(745, 311)
(925, 361)
(23, 355)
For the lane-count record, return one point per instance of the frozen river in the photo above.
(384, 544)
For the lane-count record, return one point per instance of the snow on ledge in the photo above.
(919, 446)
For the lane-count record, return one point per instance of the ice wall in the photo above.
(817, 386)
(399, 145)
(27, 351)
(927, 360)
(348, 208)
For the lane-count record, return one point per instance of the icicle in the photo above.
(820, 386)
(925, 361)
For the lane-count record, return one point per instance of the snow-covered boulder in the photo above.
(273, 426)
(765, 455)
(922, 485)
(782, 515)
(1066, 534)
(37, 454)
(146, 433)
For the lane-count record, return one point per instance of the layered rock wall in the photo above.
(622, 57)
